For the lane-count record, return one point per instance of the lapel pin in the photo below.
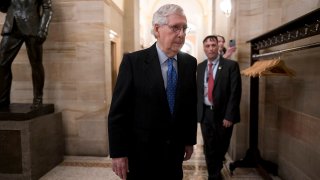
(220, 68)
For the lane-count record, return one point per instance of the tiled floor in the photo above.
(99, 168)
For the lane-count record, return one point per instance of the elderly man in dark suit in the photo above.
(219, 94)
(26, 22)
(152, 119)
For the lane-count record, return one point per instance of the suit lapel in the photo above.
(218, 73)
(153, 73)
(202, 69)
(180, 69)
(181, 72)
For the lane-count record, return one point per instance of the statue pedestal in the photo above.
(29, 147)
(21, 112)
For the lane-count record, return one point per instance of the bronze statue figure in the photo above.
(26, 22)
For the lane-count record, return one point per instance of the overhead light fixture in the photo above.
(226, 6)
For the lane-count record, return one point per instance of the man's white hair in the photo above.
(160, 16)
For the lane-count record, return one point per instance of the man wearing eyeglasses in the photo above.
(152, 119)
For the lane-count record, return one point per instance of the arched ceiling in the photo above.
(193, 8)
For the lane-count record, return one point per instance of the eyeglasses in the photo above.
(177, 29)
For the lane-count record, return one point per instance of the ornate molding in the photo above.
(303, 27)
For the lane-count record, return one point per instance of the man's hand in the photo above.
(120, 167)
(226, 123)
(229, 52)
(188, 152)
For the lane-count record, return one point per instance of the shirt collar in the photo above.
(162, 56)
(214, 61)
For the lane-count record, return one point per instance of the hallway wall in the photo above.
(77, 64)
(290, 117)
(288, 107)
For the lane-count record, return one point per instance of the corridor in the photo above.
(100, 168)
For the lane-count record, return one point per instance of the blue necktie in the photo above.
(171, 84)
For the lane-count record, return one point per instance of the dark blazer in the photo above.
(139, 116)
(26, 15)
(226, 92)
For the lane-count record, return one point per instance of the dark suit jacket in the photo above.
(226, 92)
(139, 116)
(26, 15)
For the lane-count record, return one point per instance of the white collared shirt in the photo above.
(164, 65)
(214, 69)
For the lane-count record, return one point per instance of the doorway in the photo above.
(113, 64)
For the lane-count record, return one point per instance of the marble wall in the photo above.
(288, 107)
(290, 116)
(77, 64)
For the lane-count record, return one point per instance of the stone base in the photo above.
(20, 111)
(30, 148)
